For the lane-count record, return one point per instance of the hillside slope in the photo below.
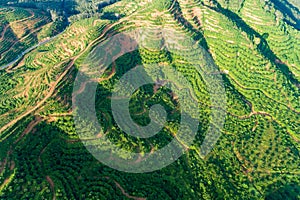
(254, 43)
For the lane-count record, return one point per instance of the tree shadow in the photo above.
(288, 192)
(263, 47)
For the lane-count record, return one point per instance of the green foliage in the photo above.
(55, 28)
(14, 20)
(255, 45)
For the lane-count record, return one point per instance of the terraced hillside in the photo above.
(254, 44)
(19, 31)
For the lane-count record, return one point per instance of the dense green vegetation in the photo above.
(19, 29)
(254, 43)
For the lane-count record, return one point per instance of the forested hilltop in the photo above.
(70, 7)
(255, 45)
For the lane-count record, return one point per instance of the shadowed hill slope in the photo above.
(255, 45)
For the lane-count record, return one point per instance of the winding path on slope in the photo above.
(27, 51)
(118, 185)
(67, 69)
(50, 181)
(4, 31)
(52, 89)
(126, 194)
(30, 127)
